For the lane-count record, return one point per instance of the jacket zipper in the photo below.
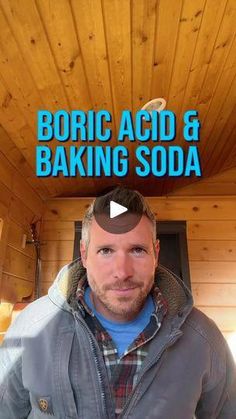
(99, 373)
(128, 405)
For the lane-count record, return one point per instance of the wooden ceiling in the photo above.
(116, 55)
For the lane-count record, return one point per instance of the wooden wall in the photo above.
(116, 55)
(19, 207)
(222, 184)
(211, 233)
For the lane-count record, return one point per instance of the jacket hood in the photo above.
(63, 290)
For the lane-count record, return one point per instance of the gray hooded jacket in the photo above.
(51, 365)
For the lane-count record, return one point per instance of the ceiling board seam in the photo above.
(22, 55)
(132, 177)
(207, 240)
(197, 100)
(34, 190)
(161, 198)
(172, 182)
(219, 77)
(52, 53)
(25, 179)
(33, 82)
(222, 154)
(17, 170)
(214, 90)
(81, 51)
(213, 49)
(213, 126)
(193, 54)
(3, 82)
(109, 68)
(231, 161)
(174, 58)
(22, 252)
(202, 150)
(17, 276)
(154, 49)
(131, 55)
(213, 283)
(23, 225)
(75, 181)
(221, 151)
(163, 189)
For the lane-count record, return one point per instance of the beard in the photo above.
(126, 307)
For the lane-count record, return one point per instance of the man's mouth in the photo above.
(123, 291)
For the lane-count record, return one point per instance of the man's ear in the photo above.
(83, 253)
(157, 250)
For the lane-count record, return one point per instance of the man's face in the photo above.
(120, 269)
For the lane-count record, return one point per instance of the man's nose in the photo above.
(123, 267)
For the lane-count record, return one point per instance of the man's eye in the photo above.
(138, 250)
(105, 251)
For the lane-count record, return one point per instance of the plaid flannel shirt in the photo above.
(123, 371)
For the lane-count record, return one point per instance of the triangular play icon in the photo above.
(116, 209)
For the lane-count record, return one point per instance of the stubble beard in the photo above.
(123, 306)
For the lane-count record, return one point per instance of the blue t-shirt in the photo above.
(123, 334)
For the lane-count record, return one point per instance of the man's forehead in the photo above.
(143, 231)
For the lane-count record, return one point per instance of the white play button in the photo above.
(116, 209)
(116, 218)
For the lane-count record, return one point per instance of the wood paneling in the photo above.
(49, 270)
(221, 184)
(16, 158)
(15, 240)
(166, 36)
(89, 21)
(57, 250)
(224, 317)
(61, 210)
(3, 243)
(212, 230)
(21, 214)
(189, 24)
(45, 287)
(66, 51)
(13, 181)
(224, 250)
(21, 101)
(16, 289)
(213, 272)
(214, 294)
(116, 55)
(58, 230)
(20, 206)
(171, 208)
(1, 227)
(36, 50)
(143, 34)
(5, 317)
(118, 40)
(19, 264)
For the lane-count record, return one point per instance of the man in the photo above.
(117, 335)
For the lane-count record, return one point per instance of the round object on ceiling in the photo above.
(157, 104)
